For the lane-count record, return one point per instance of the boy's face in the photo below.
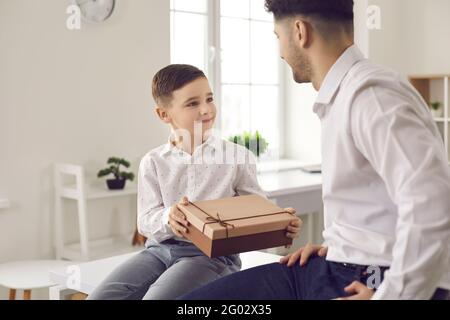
(192, 103)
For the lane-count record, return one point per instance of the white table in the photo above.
(28, 275)
(297, 189)
(86, 276)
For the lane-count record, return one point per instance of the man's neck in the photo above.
(325, 59)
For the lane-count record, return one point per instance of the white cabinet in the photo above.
(85, 249)
(435, 89)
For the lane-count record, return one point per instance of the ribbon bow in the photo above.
(218, 220)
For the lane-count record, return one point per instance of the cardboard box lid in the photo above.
(236, 216)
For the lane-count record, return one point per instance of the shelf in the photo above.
(284, 183)
(429, 76)
(279, 165)
(96, 192)
(441, 119)
(436, 88)
(101, 248)
(4, 204)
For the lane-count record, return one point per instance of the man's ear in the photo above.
(303, 32)
(163, 114)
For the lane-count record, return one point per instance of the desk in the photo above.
(86, 276)
(297, 189)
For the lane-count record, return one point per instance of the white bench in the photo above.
(84, 277)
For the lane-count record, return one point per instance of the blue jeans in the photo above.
(163, 271)
(317, 280)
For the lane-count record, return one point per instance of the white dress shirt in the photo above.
(386, 180)
(167, 174)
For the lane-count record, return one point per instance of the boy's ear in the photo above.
(163, 114)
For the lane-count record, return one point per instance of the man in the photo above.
(386, 181)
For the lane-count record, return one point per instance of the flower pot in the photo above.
(116, 184)
(436, 113)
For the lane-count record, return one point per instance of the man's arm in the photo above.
(401, 145)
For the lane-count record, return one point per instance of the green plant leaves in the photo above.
(253, 142)
(435, 105)
(114, 169)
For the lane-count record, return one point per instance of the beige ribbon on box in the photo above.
(224, 223)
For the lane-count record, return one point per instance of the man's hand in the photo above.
(293, 229)
(177, 220)
(360, 292)
(303, 254)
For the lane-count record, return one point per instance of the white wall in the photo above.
(360, 23)
(302, 126)
(414, 38)
(76, 97)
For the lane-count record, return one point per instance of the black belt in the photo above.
(359, 267)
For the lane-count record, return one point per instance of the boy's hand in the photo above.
(303, 254)
(293, 229)
(177, 220)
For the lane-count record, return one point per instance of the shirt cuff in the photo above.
(379, 293)
(165, 216)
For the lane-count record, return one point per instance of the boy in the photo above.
(171, 265)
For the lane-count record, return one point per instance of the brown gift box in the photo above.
(238, 224)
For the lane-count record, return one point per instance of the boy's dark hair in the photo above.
(325, 12)
(171, 78)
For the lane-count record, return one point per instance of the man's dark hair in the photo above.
(171, 78)
(327, 13)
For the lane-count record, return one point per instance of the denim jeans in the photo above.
(317, 280)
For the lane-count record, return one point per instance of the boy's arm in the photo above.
(247, 182)
(152, 217)
(410, 159)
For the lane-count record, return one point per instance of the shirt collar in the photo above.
(212, 141)
(336, 75)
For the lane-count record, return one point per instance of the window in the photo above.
(189, 37)
(245, 73)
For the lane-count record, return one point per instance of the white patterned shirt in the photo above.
(167, 174)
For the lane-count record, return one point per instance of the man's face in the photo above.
(193, 103)
(291, 50)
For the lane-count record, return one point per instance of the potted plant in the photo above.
(436, 109)
(120, 177)
(253, 142)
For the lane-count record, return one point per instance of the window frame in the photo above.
(213, 64)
